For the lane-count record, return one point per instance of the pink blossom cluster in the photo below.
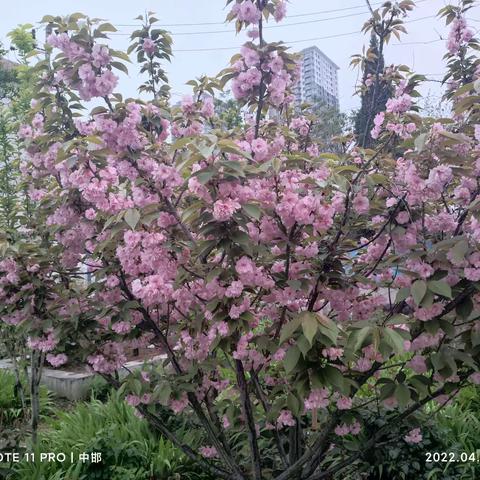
(56, 360)
(10, 269)
(300, 125)
(418, 364)
(247, 353)
(346, 429)
(208, 452)
(400, 104)
(110, 359)
(94, 78)
(318, 398)
(285, 419)
(255, 68)
(414, 436)
(459, 35)
(377, 122)
(224, 209)
(246, 11)
(45, 343)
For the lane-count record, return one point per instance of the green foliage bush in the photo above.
(130, 451)
(11, 412)
(455, 428)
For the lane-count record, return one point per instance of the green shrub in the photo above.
(11, 412)
(129, 450)
(454, 428)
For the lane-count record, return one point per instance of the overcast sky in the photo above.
(308, 23)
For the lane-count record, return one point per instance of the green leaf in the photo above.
(241, 238)
(402, 294)
(164, 395)
(333, 376)
(291, 358)
(457, 137)
(106, 27)
(357, 337)
(310, 326)
(132, 217)
(440, 288)
(327, 327)
(204, 176)
(387, 390)
(465, 308)
(181, 143)
(394, 339)
(475, 337)
(420, 383)
(402, 394)
(459, 251)
(120, 54)
(418, 291)
(120, 66)
(252, 210)
(289, 329)
(293, 404)
(420, 142)
(304, 345)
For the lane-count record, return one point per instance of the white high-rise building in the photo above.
(318, 82)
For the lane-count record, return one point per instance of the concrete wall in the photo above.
(75, 385)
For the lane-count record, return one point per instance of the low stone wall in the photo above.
(75, 385)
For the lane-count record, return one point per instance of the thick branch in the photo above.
(249, 419)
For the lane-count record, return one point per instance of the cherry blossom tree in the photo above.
(307, 303)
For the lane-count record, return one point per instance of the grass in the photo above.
(129, 450)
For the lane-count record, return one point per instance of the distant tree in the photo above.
(375, 91)
(329, 123)
(434, 106)
(229, 112)
(16, 81)
(8, 76)
(23, 41)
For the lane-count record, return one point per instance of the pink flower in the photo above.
(361, 204)
(250, 56)
(56, 360)
(133, 400)
(332, 353)
(418, 364)
(234, 290)
(208, 108)
(472, 274)
(208, 452)
(318, 398)
(101, 56)
(248, 12)
(399, 105)
(122, 328)
(148, 46)
(90, 214)
(225, 422)
(342, 430)
(414, 436)
(285, 419)
(260, 149)
(179, 405)
(459, 35)
(428, 313)
(475, 378)
(224, 209)
(344, 403)
(244, 266)
(345, 429)
(280, 11)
